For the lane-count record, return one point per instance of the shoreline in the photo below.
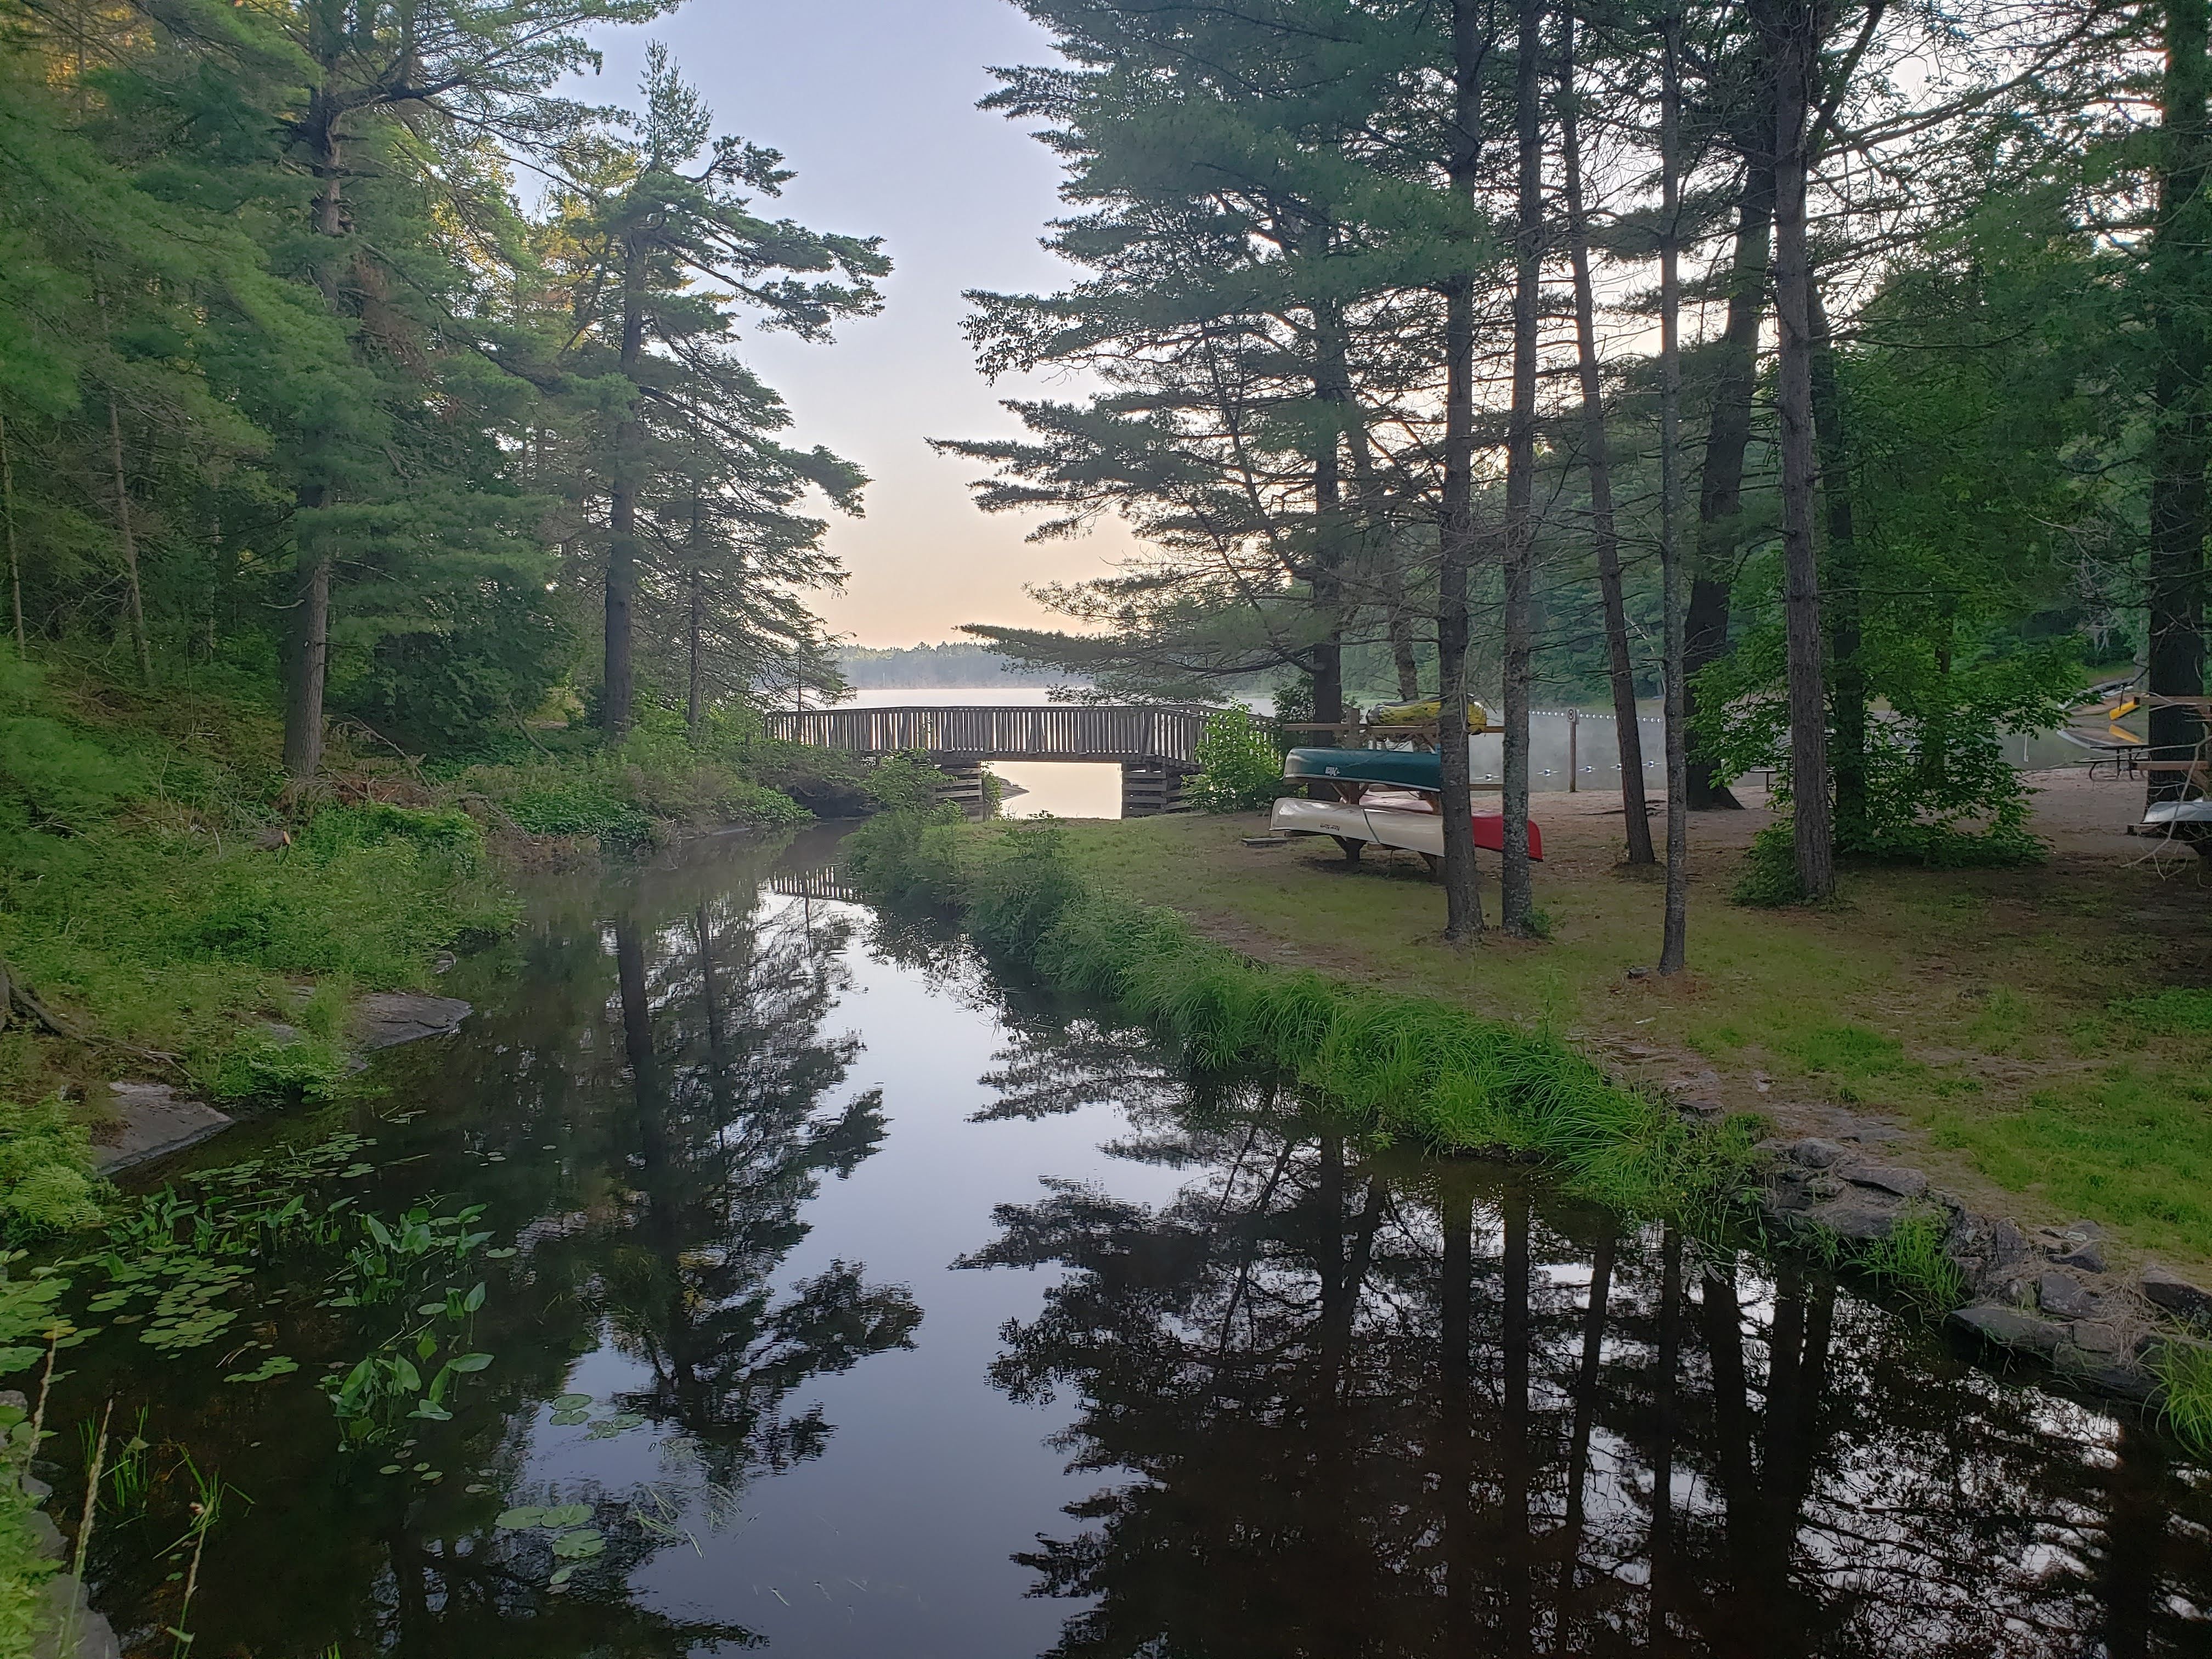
(2051, 1294)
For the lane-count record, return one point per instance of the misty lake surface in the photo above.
(918, 1313)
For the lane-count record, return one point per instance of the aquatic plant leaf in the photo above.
(572, 1402)
(521, 1518)
(569, 1420)
(275, 1364)
(468, 1362)
(584, 1542)
(565, 1514)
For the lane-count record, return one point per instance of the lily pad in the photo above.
(568, 1419)
(580, 1544)
(572, 1402)
(521, 1519)
(565, 1514)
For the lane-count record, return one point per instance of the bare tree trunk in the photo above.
(1796, 30)
(15, 559)
(1728, 435)
(1840, 583)
(618, 679)
(1332, 524)
(311, 637)
(1674, 944)
(1597, 456)
(1516, 901)
(694, 703)
(1463, 900)
(311, 649)
(134, 600)
(2181, 443)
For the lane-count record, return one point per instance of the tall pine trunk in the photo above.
(308, 667)
(15, 558)
(619, 681)
(1516, 901)
(1462, 900)
(1674, 935)
(1796, 28)
(695, 701)
(1841, 582)
(1728, 435)
(134, 598)
(1334, 526)
(2181, 442)
(1598, 459)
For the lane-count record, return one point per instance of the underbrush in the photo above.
(664, 779)
(1400, 1065)
(164, 896)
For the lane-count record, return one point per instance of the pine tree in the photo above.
(670, 252)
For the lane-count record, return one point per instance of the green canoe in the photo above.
(1400, 769)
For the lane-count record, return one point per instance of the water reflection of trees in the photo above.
(651, 1117)
(1361, 1406)
(722, 1017)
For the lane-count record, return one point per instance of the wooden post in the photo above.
(1574, 749)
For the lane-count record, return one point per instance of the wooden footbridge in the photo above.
(1155, 748)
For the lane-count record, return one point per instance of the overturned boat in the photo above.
(1381, 797)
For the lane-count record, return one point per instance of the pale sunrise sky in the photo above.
(873, 103)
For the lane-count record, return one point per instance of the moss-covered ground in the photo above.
(2041, 1034)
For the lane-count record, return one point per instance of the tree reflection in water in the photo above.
(1369, 1405)
(652, 1120)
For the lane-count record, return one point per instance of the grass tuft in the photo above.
(2184, 1374)
(1912, 1262)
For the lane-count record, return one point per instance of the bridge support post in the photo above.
(963, 783)
(1151, 787)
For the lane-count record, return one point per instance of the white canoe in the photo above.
(1413, 829)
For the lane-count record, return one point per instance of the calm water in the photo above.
(926, 1315)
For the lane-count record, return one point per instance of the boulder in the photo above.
(383, 1019)
(2170, 1291)
(1858, 1217)
(154, 1121)
(2088, 1257)
(2099, 1337)
(2065, 1295)
(1906, 1184)
(1815, 1153)
(2008, 1328)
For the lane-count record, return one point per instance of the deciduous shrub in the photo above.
(1240, 767)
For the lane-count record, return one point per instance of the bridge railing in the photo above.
(1075, 731)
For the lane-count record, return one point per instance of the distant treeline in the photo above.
(956, 662)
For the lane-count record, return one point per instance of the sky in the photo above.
(872, 102)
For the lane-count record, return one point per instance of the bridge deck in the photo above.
(1054, 731)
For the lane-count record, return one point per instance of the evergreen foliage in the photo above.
(295, 385)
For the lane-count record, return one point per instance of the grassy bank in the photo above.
(2039, 1033)
(1404, 1065)
(173, 908)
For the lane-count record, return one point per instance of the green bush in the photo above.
(1240, 768)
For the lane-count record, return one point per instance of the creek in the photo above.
(864, 1301)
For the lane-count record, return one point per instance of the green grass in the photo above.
(2175, 1009)
(2125, 1143)
(1911, 1263)
(1972, 1004)
(2184, 1374)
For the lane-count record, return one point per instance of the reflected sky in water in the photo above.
(925, 1313)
